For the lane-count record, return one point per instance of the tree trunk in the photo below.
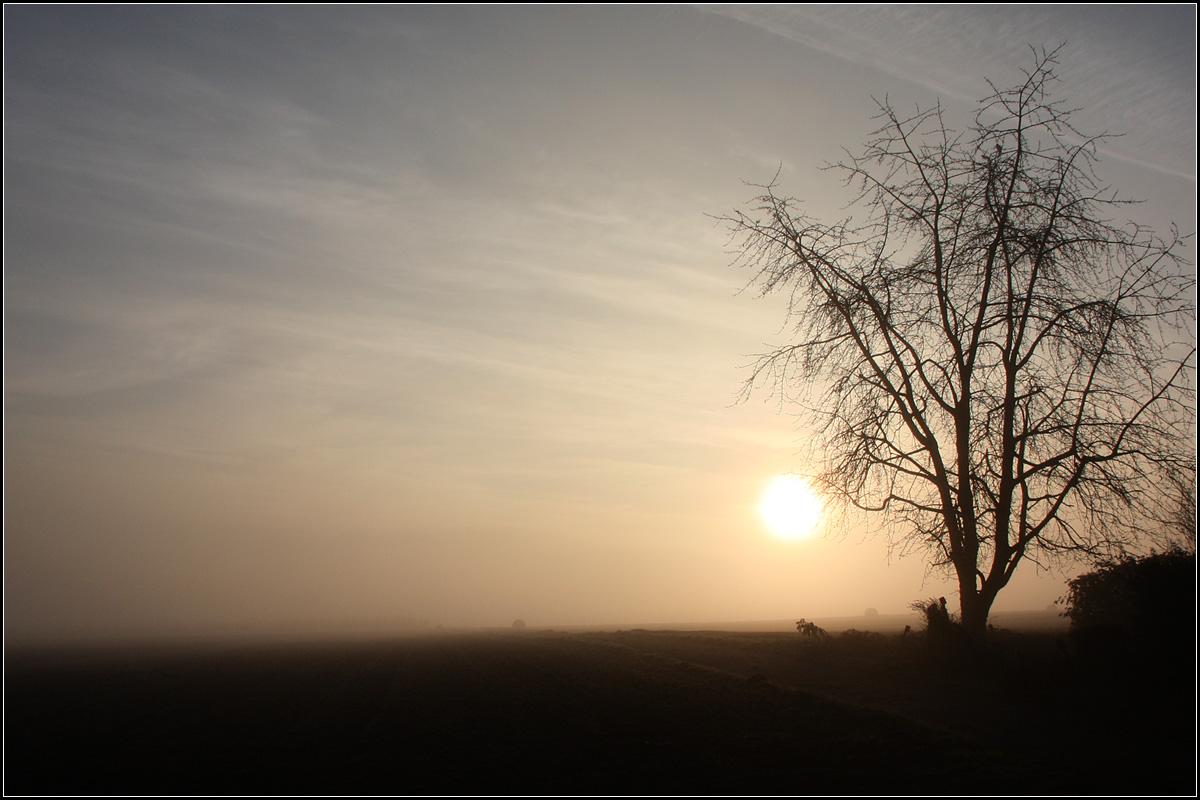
(974, 609)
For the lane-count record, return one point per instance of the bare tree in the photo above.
(998, 368)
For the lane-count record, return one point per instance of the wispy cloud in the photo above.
(1131, 69)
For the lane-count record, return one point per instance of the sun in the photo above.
(790, 508)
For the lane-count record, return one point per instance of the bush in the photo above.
(1147, 603)
(811, 629)
(945, 637)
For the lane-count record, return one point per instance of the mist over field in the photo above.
(326, 321)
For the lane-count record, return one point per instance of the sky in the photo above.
(340, 317)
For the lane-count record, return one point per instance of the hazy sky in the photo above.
(342, 315)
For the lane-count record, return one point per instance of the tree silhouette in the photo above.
(993, 364)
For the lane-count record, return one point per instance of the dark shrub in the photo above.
(945, 637)
(1138, 606)
(807, 628)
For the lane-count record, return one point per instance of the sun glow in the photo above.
(790, 508)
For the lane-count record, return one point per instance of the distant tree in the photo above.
(995, 367)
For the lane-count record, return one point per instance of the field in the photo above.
(617, 712)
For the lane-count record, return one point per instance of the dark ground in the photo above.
(654, 712)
